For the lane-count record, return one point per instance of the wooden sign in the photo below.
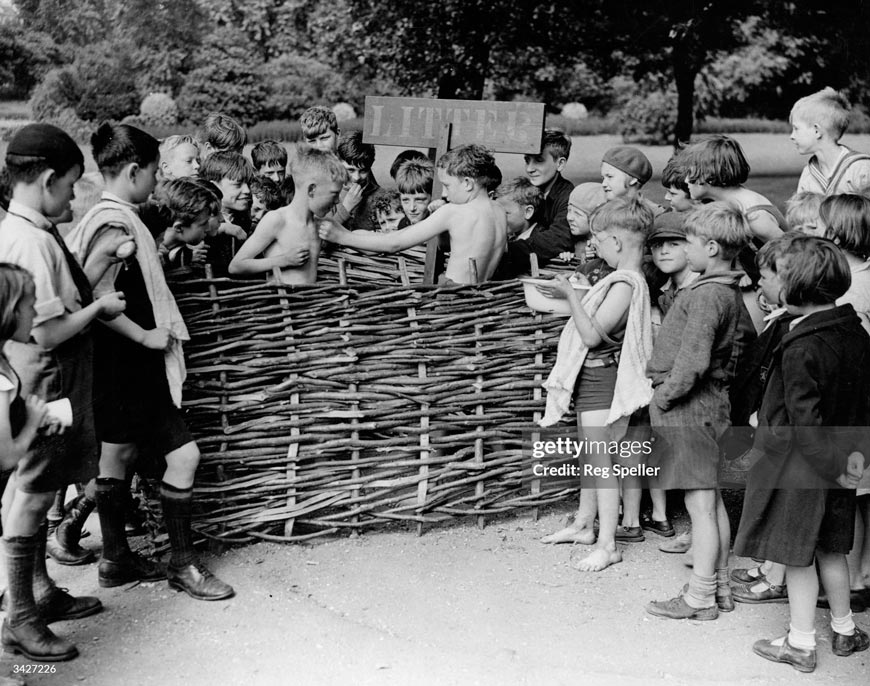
(418, 122)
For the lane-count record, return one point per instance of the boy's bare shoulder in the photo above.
(275, 221)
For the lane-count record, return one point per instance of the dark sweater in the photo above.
(550, 237)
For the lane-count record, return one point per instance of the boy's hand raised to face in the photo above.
(353, 197)
(854, 471)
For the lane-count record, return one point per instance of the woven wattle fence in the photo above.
(361, 400)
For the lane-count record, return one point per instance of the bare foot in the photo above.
(598, 559)
(571, 534)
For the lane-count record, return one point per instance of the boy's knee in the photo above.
(185, 458)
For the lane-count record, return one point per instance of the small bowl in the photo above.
(542, 303)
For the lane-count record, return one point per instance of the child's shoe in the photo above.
(678, 608)
(663, 528)
(770, 594)
(801, 659)
(678, 545)
(844, 645)
(747, 576)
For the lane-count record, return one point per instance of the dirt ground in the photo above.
(458, 605)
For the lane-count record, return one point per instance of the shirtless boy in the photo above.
(287, 238)
(476, 225)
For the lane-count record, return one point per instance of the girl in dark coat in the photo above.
(812, 439)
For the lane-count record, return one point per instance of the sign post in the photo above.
(514, 127)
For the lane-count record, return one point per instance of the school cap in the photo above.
(50, 143)
(629, 160)
(668, 226)
(587, 197)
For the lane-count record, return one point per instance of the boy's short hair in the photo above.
(773, 250)
(116, 145)
(802, 209)
(310, 161)
(717, 221)
(405, 156)
(415, 176)
(223, 133)
(317, 120)
(352, 150)
(674, 174)
(522, 191)
(37, 147)
(717, 161)
(385, 201)
(556, 143)
(13, 284)
(184, 199)
(168, 144)
(267, 192)
(473, 160)
(631, 215)
(826, 108)
(813, 271)
(227, 165)
(847, 222)
(267, 153)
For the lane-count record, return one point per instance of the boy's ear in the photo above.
(177, 227)
(818, 130)
(713, 248)
(310, 189)
(528, 212)
(632, 181)
(47, 179)
(560, 163)
(467, 183)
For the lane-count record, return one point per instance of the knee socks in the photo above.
(111, 507)
(177, 511)
(20, 552)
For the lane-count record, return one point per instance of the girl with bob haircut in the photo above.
(799, 508)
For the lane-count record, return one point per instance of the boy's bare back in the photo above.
(478, 231)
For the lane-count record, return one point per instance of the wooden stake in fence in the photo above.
(539, 378)
(293, 448)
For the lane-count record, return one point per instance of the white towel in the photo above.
(633, 388)
(87, 238)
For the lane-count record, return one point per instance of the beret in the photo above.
(587, 197)
(668, 225)
(629, 160)
(49, 142)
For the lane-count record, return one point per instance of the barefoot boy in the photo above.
(287, 238)
(699, 344)
(476, 225)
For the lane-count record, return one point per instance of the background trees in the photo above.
(658, 65)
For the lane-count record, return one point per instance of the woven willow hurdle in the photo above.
(361, 400)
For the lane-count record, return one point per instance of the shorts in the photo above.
(148, 419)
(594, 388)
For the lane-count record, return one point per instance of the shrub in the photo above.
(574, 110)
(343, 112)
(646, 109)
(227, 77)
(59, 89)
(296, 82)
(69, 121)
(108, 87)
(158, 109)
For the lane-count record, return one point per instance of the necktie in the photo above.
(86, 293)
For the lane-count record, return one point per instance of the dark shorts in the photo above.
(594, 388)
(54, 462)
(148, 419)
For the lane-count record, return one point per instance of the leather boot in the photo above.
(63, 545)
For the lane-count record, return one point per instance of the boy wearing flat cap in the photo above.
(43, 164)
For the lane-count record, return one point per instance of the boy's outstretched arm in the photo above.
(248, 260)
(393, 241)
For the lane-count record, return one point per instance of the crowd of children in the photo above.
(693, 321)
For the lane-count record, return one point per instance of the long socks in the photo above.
(111, 506)
(20, 552)
(177, 513)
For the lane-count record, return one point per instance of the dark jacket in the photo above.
(551, 236)
(701, 339)
(815, 412)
